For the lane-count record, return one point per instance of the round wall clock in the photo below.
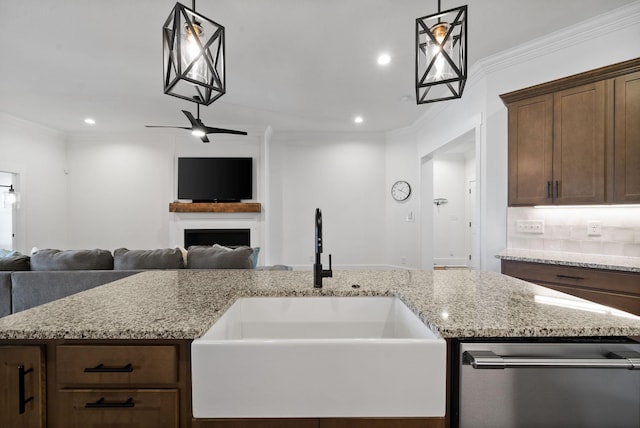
(401, 190)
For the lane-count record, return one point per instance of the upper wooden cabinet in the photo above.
(579, 169)
(627, 139)
(531, 151)
(576, 141)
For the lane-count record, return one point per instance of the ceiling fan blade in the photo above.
(192, 119)
(161, 126)
(205, 139)
(210, 130)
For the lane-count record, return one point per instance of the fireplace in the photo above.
(226, 237)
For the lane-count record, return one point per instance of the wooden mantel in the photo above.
(214, 207)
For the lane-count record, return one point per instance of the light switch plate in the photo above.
(530, 226)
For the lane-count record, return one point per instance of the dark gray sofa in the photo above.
(51, 274)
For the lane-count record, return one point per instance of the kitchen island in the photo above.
(157, 314)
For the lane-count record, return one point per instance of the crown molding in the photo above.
(617, 19)
(320, 136)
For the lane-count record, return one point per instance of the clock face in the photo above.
(400, 190)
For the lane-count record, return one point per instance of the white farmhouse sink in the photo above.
(318, 357)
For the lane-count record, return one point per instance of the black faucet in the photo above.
(318, 272)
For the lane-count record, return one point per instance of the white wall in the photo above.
(120, 187)
(37, 155)
(402, 219)
(342, 175)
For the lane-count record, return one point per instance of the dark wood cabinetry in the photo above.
(576, 141)
(531, 151)
(627, 139)
(620, 290)
(22, 386)
(579, 145)
(125, 384)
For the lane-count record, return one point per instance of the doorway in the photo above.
(455, 214)
(7, 214)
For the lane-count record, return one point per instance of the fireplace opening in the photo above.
(226, 237)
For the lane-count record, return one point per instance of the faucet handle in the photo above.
(328, 273)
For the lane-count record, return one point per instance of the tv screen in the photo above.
(215, 179)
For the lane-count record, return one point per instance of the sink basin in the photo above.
(318, 357)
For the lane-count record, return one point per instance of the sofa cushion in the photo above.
(50, 259)
(166, 258)
(217, 257)
(17, 262)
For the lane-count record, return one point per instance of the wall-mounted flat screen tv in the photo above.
(215, 179)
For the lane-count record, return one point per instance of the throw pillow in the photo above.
(51, 259)
(166, 258)
(16, 262)
(205, 257)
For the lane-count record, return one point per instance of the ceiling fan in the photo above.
(198, 128)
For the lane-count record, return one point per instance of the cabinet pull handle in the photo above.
(557, 189)
(22, 401)
(101, 368)
(103, 404)
(569, 277)
(549, 190)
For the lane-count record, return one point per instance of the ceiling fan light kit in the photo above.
(441, 57)
(193, 56)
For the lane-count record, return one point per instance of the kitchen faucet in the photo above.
(318, 272)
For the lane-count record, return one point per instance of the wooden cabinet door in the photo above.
(579, 145)
(627, 139)
(22, 390)
(530, 151)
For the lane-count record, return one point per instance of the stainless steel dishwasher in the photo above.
(549, 383)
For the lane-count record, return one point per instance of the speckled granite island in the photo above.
(184, 304)
(165, 310)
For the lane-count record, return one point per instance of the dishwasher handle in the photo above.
(489, 360)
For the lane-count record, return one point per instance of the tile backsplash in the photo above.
(565, 229)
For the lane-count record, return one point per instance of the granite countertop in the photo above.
(184, 304)
(593, 261)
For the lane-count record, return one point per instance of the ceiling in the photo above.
(296, 65)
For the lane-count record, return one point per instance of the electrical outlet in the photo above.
(594, 228)
(530, 226)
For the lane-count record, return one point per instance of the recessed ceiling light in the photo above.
(384, 59)
(89, 121)
(358, 119)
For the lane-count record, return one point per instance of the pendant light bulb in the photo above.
(192, 40)
(198, 133)
(439, 32)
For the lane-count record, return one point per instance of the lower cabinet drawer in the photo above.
(121, 408)
(126, 366)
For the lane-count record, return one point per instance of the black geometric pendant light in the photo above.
(194, 64)
(441, 55)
